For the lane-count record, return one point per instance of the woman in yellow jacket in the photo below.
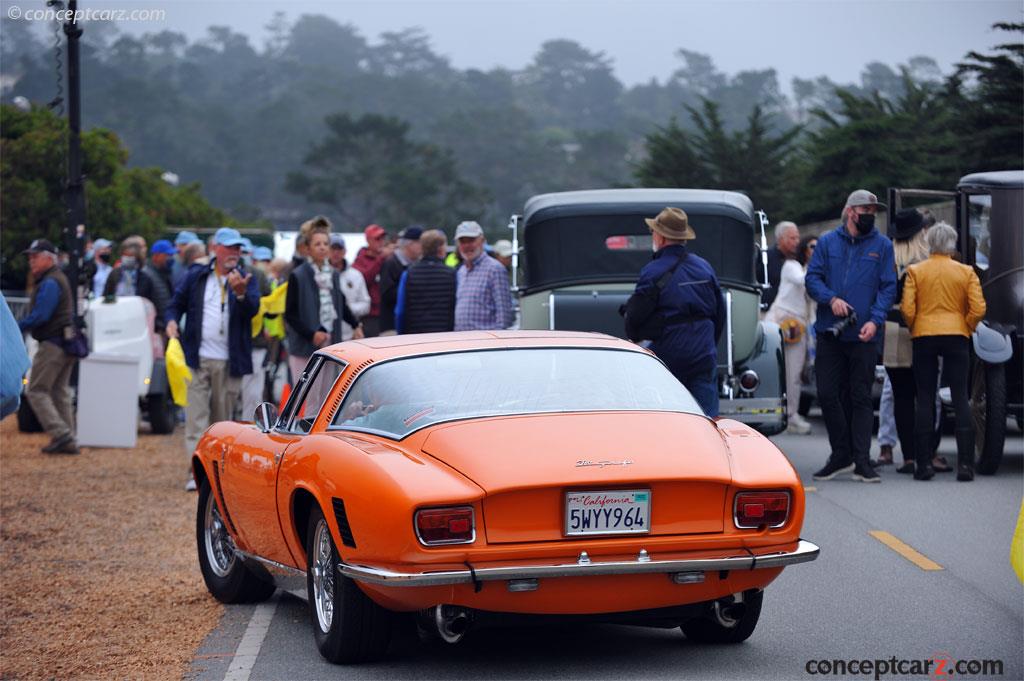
(942, 304)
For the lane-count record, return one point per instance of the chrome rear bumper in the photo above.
(804, 552)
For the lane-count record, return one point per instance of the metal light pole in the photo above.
(74, 191)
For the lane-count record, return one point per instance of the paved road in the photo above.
(861, 599)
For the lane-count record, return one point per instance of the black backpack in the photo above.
(639, 311)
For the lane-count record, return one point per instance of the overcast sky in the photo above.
(804, 38)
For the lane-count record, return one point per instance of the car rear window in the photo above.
(397, 397)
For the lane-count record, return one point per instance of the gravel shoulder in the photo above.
(98, 569)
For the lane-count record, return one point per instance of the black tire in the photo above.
(348, 626)
(161, 411)
(712, 629)
(27, 421)
(226, 576)
(989, 412)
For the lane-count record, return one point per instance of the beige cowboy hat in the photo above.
(672, 223)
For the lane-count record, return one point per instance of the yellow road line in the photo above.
(810, 489)
(914, 556)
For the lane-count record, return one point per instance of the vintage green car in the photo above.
(582, 252)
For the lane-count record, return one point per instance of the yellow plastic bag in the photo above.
(1017, 547)
(178, 373)
(271, 311)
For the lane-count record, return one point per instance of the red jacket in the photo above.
(369, 265)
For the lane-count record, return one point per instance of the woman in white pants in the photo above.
(791, 310)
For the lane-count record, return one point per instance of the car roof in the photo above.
(389, 347)
(630, 199)
(1002, 179)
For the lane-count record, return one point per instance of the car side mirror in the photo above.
(265, 417)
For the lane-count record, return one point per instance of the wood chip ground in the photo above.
(98, 571)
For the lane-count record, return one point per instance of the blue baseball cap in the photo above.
(262, 253)
(163, 246)
(246, 245)
(228, 236)
(185, 237)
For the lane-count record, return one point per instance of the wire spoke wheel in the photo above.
(219, 549)
(323, 576)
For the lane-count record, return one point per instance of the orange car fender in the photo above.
(207, 462)
(757, 464)
(380, 486)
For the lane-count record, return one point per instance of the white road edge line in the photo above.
(249, 647)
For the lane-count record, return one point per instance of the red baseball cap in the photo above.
(374, 232)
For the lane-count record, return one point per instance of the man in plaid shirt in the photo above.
(483, 299)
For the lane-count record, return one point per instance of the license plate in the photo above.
(617, 511)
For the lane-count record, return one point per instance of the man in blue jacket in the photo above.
(689, 304)
(219, 301)
(852, 277)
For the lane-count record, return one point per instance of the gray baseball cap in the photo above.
(862, 197)
(469, 228)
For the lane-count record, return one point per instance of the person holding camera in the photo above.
(852, 277)
(678, 305)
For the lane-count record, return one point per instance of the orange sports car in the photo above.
(470, 476)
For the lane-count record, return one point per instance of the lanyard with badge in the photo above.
(223, 285)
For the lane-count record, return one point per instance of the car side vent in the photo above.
(343, 527)
(348, 381)
(220, 495)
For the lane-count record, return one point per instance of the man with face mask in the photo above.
(852, 277)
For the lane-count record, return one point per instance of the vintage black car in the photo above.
(990, 224)
(582, 252)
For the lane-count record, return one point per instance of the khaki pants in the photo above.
(48, 391)
(252, 385)
(212, 396)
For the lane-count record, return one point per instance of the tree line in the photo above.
(320, 119)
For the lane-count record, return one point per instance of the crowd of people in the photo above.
(839, 296)
(861, 299)
(238, 313)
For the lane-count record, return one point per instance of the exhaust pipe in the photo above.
(451, 622)
(729, 611)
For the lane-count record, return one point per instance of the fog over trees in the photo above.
(321, 118)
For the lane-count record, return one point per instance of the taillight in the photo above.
(761, 509)
(436, 526)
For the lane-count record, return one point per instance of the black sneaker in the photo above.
(924, 473)
(57, 442)
(60, 445)
(832, 469)
(865, 473)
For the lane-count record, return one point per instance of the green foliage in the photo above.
(876, 143)
(120, 201)
(239, 117)
(368, 170)
(993, 108)
(753, 160)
